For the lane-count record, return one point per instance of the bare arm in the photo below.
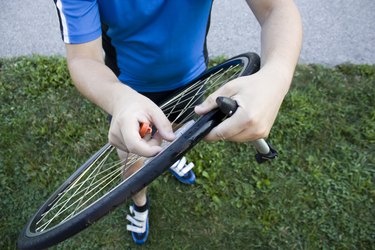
(260, 95)
(91, 77)
(281, 36)
(128, 108)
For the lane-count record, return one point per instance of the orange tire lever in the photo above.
(144, 129)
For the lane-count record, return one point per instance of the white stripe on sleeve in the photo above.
(63, 22)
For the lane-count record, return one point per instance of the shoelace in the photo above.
(181, 168)
(138, 221)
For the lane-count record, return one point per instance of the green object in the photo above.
(319, 192)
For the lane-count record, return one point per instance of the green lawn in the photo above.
(319, 193)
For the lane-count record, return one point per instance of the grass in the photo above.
(319, 193)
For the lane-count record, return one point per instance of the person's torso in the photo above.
(158, 45)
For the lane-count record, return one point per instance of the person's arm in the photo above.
(260, 95)
(281, 36)
(128, 108)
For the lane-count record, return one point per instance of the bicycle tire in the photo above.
(31, 239)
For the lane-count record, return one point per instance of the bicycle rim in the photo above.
(90, 192)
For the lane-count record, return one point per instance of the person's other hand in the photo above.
(259, 97)
(130, 110)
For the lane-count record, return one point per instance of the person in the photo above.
(154, 47)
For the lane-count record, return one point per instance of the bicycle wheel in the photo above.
(98, 186)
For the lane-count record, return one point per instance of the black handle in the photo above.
(227, 105)
(265, 151)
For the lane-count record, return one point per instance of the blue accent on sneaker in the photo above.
(141, 238)
(188, 178)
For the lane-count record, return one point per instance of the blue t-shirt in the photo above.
(157, 45)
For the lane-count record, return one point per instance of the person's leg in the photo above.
(139, 210)
(128, 169)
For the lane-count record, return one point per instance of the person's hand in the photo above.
(130, 110)
(259, 97)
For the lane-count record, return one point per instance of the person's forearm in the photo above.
(96, 82)
(128, 108)
(281, 40)
(93, 78)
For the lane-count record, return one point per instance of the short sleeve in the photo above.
(79, 20)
